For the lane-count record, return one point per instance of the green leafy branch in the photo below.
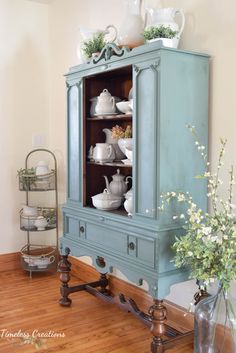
(159, 32)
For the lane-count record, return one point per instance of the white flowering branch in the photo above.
(209, 244)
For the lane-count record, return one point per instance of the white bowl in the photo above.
(106, 201)
(125, 143)
(106, 205)
(124, 107)
(29, 211)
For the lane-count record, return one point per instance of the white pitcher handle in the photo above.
(182, 20)
(110, 150)
(115, 32)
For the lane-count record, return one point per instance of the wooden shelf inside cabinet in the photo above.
(120, 211)
(118, 117)
(111, 164)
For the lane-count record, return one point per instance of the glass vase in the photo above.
(215, 324)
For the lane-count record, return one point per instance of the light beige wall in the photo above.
(24, 103)
(210, 28)
(65, 18)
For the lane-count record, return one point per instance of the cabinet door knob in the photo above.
(131, 246)
(81, 229)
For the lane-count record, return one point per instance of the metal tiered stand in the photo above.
(35, 257)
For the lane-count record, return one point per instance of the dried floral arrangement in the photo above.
(119, 132)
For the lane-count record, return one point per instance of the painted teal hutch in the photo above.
(170, 90)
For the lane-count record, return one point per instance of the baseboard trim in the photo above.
(9, 262)
(176, 314)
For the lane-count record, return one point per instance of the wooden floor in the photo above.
(89, 325)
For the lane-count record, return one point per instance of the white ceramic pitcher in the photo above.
(164, 17)
(109, 139)
(103, 152)
(88, 33)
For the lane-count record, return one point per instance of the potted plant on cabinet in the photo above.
(93, 47)
(166, 34)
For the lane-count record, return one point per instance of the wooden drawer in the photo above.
(134, 246)
(73, 227)
(131, 245)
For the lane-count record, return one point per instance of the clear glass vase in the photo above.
(215, 324)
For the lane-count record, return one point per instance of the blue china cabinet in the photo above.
(170, 90)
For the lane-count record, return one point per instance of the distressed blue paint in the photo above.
(170, 91)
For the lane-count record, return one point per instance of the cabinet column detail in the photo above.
(74, 103)
(146, 81)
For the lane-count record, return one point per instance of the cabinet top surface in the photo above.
(111, 54)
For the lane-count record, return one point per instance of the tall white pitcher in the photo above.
(165, 17)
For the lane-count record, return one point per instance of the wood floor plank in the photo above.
(89, 325)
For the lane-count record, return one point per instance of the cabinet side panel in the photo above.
(146, 87)
(184, 97)
(74, 162)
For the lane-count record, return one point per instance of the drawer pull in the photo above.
(81, 229)
(131, 246)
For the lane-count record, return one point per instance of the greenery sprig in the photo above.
(94, 45)
(208, 247)
(159, 32)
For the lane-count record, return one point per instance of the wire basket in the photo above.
(39, 257)
(47, 214)
(33, 182)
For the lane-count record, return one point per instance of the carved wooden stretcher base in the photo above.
(163, 334)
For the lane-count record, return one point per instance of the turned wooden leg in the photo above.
(64, 268)
(104, 283)
(158, 317)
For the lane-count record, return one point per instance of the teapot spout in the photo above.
(107, 183)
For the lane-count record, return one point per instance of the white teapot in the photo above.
(105, 103)
(119, 184)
